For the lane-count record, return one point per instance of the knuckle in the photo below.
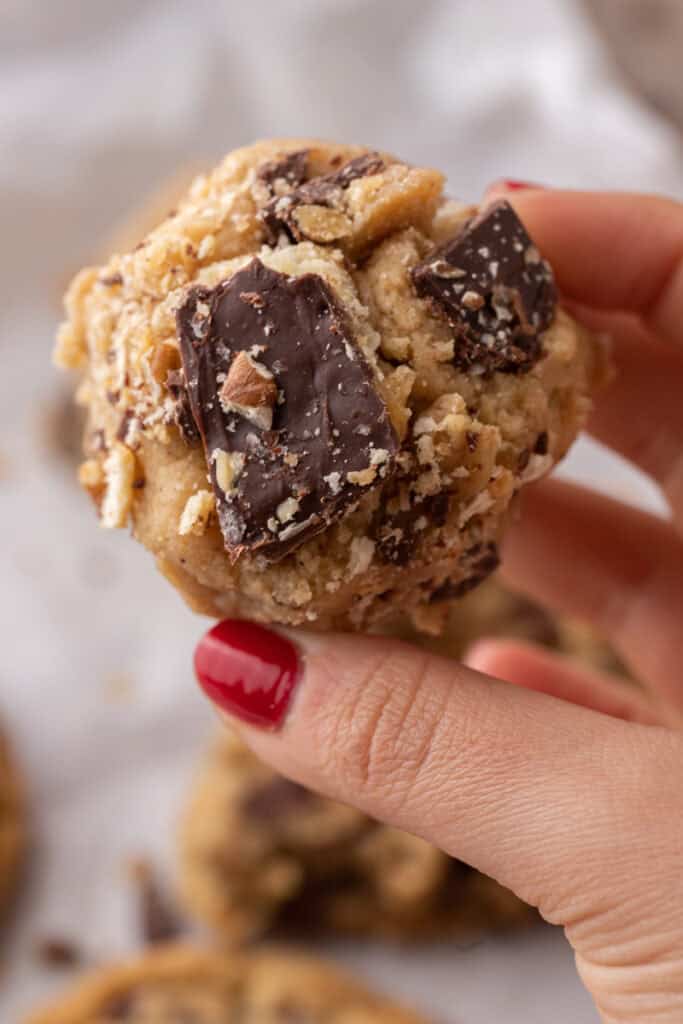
(386, 739)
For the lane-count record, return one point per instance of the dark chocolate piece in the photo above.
(182, 412)
(281, 472)
(479, 562)
(278, 214)
(56, 952)
(396, 535)
(159, 921)
(275, 799)
(286, 173)
(120, 1006)
(494, 288)
(541, 446)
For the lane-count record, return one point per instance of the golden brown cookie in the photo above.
(181, 985)
(315, 389)
(260, 853)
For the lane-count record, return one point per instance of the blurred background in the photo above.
(99, 105)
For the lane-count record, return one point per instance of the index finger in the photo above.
(611, 251)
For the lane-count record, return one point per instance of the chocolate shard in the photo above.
(182, 413)
(279, 214)
(479, 562)
(397, 534)
(288, 172)
(494, 288)
(281, 471)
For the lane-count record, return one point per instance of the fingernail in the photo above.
(248, 671)
(518, 186)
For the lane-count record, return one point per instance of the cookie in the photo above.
(494, 610)
(262, 854)
(259, 853)
(11, 825)
(315, 389)
(178, 985)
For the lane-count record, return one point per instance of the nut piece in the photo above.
(198, 511)
(119, 473)
(228, 466)
(249, 390)
(165, 358)
(321, 224)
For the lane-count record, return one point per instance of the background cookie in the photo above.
(187, 985)
(11, 824)
(259, 852)
(367, 373)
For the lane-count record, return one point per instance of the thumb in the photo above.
(526, 788)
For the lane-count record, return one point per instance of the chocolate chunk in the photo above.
(275, 799)
(530, 621)
(57, 952)
(159, 921)
(541, 446)
(495, 290)
(279, 214)
(396, 535)
(330, 438)
(479, 561)
(111, 281)
(286, 173)
(182, 412)
(121, 1006)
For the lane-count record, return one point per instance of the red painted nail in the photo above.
(248, 671)
(519, 186)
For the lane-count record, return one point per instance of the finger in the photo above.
(610, 564)
(612, 251)
(639, 413)
(565, 678)
(510, 781)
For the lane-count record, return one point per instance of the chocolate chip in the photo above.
(494, 289)
(541, 446)
(182, 413)
(57, 952)
(530, 621)
(286, 173)
(471, 440)
(120, 1007)
(479, 562)
(396, 534)
(279, 214)
(111, 281)
(330, 440)
(275, 799)
(159, 921)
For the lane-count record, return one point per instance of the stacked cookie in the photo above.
(314, 392)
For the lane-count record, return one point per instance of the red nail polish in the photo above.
(248, 671)
(519, 186)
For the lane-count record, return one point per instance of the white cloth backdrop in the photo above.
(98, 102)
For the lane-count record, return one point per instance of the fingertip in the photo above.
(502, 188)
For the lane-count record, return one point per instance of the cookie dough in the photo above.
(11, 825)
(315, 389)
(260, 853)
(179, 985)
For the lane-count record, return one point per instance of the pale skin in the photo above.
(561, 783)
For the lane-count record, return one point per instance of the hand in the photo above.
(567, 786)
